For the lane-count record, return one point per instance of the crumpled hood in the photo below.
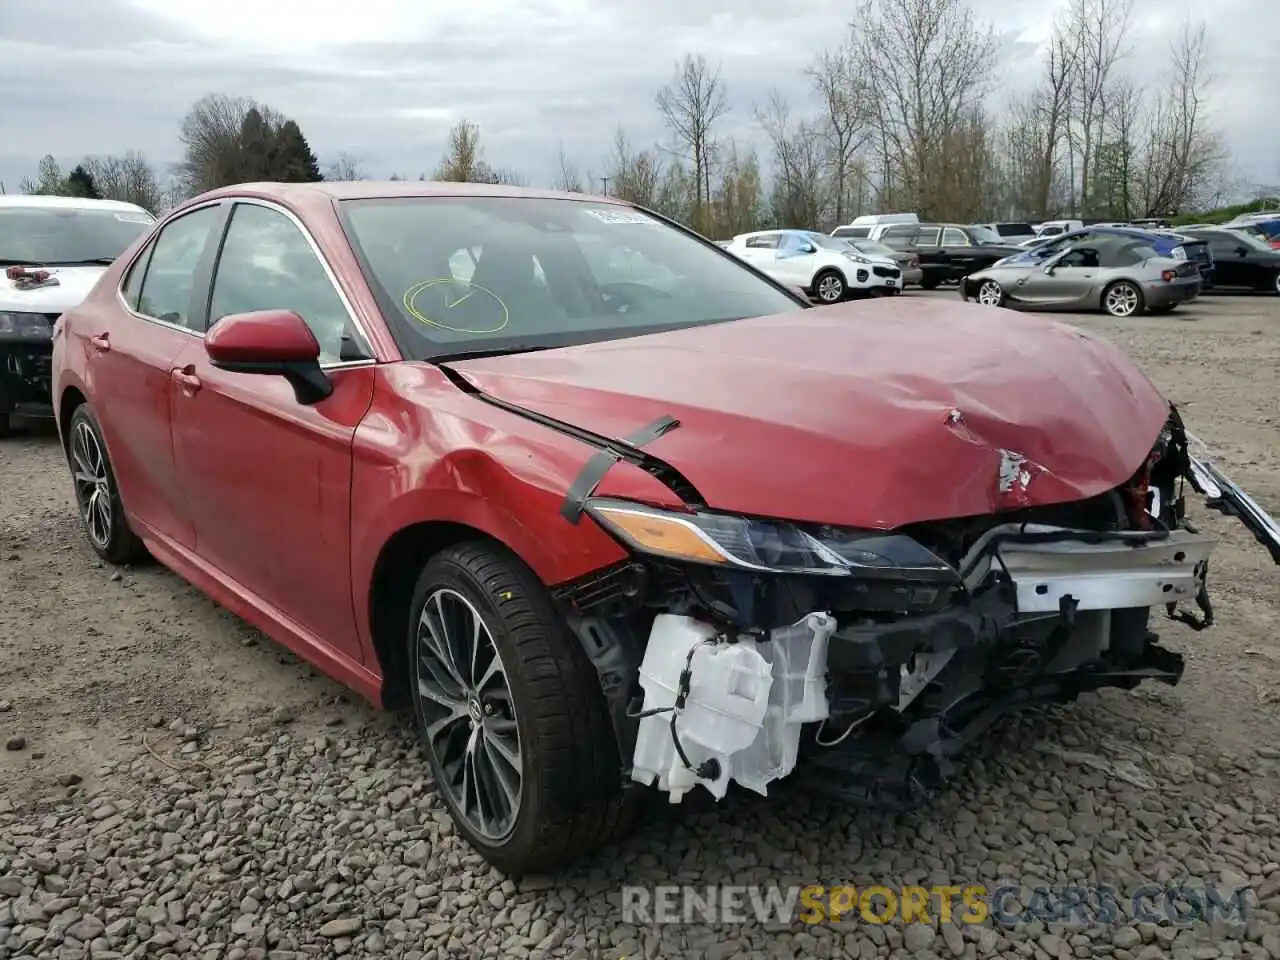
(871, 415)
(74, 284)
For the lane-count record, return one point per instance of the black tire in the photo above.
(1275, 283)
(1111, 295)
(829, 287)
(108, 532)
(1164, 308)
(571, 795)
(928, 284)
(6, 427)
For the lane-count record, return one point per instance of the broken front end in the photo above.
(733, 648)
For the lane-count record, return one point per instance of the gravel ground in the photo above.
(174, 784)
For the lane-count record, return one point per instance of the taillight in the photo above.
(1169, 276)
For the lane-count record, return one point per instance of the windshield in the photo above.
(984, 235)
(65, 236)
(459, 275)
(827, 242)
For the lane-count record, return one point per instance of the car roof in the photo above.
(40, 201)
(288, 193)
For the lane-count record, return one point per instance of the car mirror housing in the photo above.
(274, 343)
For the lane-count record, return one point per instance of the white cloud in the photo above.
(384, 79)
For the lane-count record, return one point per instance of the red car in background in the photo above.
(610, 509)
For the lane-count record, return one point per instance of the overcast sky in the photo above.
(383, 80)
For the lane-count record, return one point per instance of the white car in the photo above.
(827, 268)
(52, 252)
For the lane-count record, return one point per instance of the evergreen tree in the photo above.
(296, 162)
(80, 184)
(258, 148)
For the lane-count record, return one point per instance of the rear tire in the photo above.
(1275, 284)
(97, 492)
(1122, 300)
(927, 284)
(829, 287)
(534, 738)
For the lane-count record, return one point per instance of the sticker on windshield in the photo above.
(134, 218)
(619, 215)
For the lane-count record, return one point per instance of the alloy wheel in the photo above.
(469, 714)
(990, 294)
(830, 289)
(1277, 283)
(92, 482)
(1122, 300)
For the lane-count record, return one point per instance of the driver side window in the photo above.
(267, 264)
(1080, 257)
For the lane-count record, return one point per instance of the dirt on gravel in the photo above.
(129, 699)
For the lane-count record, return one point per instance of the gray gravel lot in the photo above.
(176, 785)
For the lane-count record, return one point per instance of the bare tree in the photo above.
(690, 106)
(212, 137)
(568, 177)
(126, 177)
(1095, 32)
(928, 68)
(846, 118)
(1184, 158)
(799, 187)
(344, 167)
(464, 161)
(637, 175)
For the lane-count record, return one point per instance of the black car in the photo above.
(1241, 261)
(949, 252)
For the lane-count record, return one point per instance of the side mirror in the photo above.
(1242, 251)
(272, 342)
(808, 248)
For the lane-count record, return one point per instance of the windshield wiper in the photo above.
(489, 352)
(83, 262)
(7, 262)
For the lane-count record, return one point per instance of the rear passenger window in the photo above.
(170, 273)
(928, 236)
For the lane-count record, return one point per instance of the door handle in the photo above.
(101, 343)
(186, 378)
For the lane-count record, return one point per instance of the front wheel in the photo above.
(990, 294)
(1275, 283)
(97, 492)
(511, 713)
(1122, 299)
(828, 286)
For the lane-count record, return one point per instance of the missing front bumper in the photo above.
(1221, 493)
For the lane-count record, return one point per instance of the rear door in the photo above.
(268, 478)
(130, 352)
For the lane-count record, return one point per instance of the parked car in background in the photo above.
(1054, 228)
(1266, 227)
(1241, 261)
(611, 535)
(1122, 275)
(871, 225)
(52, 252)
(948, 251)
(908, 262)
(827, 268)
(1167, 243)
(1013, 232)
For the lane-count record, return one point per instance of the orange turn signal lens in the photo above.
(665, 536)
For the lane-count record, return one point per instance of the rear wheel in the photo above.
(511, 714)
(929, 284)
(828, 286)
(97, 493)
(1122, 299)
(1275, 283)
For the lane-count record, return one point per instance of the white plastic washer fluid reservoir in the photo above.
(722, 715)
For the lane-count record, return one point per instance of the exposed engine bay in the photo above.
(738, 650)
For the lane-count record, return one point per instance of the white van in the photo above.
(870, 226)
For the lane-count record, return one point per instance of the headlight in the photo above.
(29, 326)
(1179, 253)
(856, 258)
(766, 546)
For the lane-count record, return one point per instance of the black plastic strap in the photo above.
(600, 463)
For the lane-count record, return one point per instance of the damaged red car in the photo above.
(611, 511)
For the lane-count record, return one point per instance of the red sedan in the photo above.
(609, 508)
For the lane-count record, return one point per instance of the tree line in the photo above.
(903, 121)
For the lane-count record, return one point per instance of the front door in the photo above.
(1072, 277)
(796, 261)
(268, 478)
(130, 355)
